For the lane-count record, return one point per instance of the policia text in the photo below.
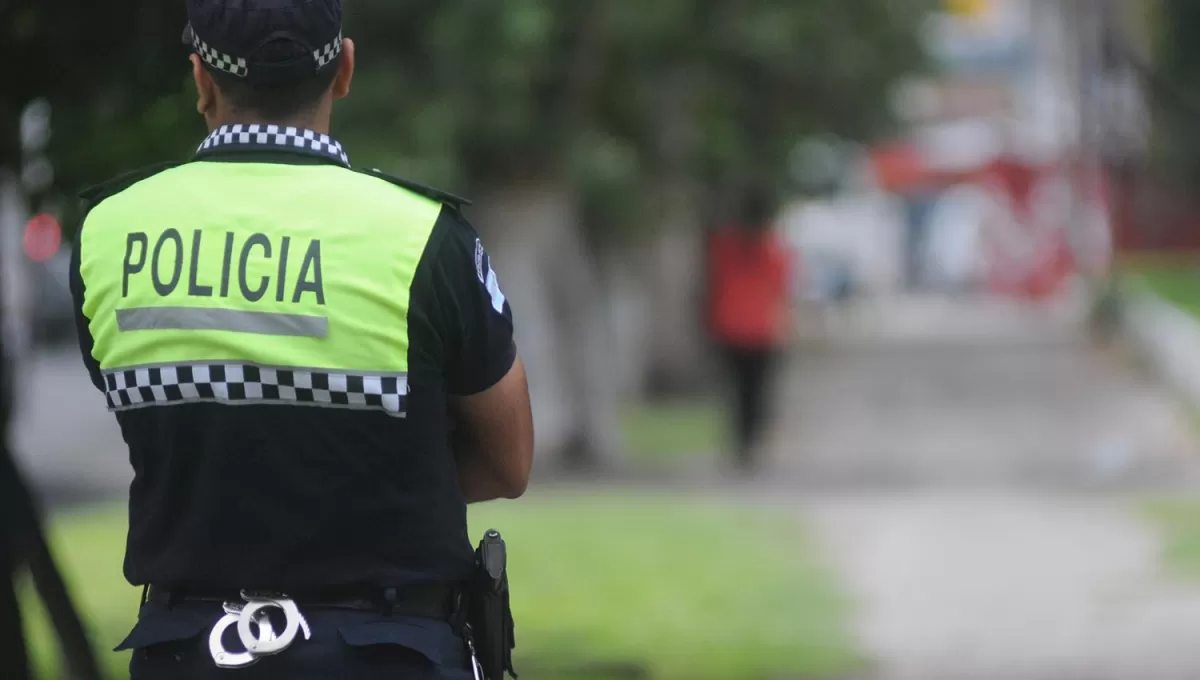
(168, 254)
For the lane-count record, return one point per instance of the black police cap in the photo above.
(267, 42)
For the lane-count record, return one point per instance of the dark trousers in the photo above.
(173, 644)
(749, 371)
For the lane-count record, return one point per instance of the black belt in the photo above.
(441, 602)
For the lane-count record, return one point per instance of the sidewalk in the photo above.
(969, 469)
(63, 436)
(1165, 338)
(931, 391)
(1010, 586)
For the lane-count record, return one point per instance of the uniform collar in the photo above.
(257, 137)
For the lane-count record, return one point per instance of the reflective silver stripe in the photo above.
(209, 319)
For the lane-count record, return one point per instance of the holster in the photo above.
(488, 609)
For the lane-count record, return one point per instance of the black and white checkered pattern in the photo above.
(328, 53)
(237, 383)
(278, 137)
(219, 60)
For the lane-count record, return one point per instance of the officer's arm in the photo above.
(494, 448)
(489, 395)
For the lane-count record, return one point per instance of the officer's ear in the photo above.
(345, 73)
(206, 89)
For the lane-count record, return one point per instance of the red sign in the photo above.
(1041, 261)
(43, 237)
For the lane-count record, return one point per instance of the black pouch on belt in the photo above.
(489, 612)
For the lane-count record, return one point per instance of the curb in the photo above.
(1165, 337)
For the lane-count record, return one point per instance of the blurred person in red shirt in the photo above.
(749, 313)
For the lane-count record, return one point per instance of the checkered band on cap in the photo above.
(275, 136)
(242, 383)
(327, 54)
(219, 60)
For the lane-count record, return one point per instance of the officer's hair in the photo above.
(276, 102)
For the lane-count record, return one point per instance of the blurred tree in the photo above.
(1172, 79)
(578, 123)
(113, 74)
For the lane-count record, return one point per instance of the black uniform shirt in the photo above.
(289, 497)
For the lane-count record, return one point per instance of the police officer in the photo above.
(285, 341)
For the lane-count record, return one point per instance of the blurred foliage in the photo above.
(1179, 520)
(1176, 99)
(613, 95)
(638, 585)
(112, 73)
(1177, 283)
(606, 96)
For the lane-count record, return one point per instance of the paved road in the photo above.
(973, 466)
(65, 440)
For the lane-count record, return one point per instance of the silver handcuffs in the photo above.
(253, 612)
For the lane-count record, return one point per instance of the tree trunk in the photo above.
(625, 277)
(533, 234)
(674, 272)
(675, 268)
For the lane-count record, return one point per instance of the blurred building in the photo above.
(999, 173)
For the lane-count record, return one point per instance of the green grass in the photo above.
(1178, 284)
(89, 547)
(685, 588)
(1179, 520)
(669, 432)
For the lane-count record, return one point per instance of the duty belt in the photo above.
(249, 612)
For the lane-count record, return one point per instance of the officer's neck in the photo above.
(302, 123)
(315, 122)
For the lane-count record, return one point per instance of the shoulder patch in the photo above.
(96, 193)
(426, 191)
